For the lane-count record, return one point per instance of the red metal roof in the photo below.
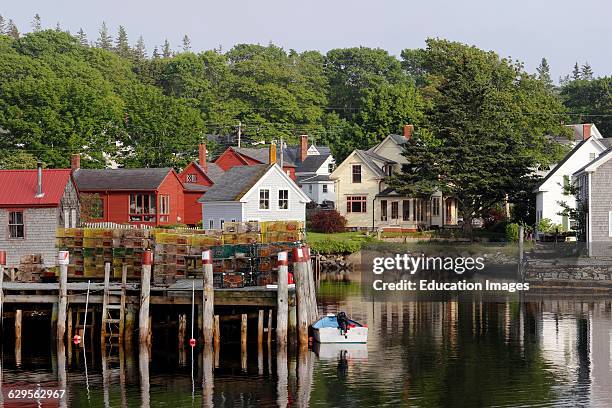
(18, 187)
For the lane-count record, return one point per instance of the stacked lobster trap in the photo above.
(244, 254)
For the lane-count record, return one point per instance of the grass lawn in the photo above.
(340, 242)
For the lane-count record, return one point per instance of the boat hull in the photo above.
(333, 335)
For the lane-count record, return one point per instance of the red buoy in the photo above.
(192, 342)
(76, 339)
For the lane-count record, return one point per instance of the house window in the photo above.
(419, 210)
(592, 156)
(383, 210)
(406, 210)
(142, 207)
(264, 199)
(356, 204)
(394, 210)
(221, 223)
(192, 178)
(356, 173)
(325, 188)
(330, 167)
(15, 224)
(164, 208)
(435, 206)
(283, 199)
(310, 188)
(211, 224)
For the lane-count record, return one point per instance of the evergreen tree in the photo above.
(2, 25)
(576, 72)
(122, 46)
(166, 51)
(105, 41)
(186, 44)
(587, 72)
(58, 27)
(36, 23)
(544, 73)
(11, 29)
(82, 37)
(156, 53)
(140, 50)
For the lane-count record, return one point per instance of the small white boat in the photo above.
(339, 329)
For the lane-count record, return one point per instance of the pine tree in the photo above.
(544, 73)
(36, 23)
(82, 37)
(2, 25)
(186, 44)
(156, 53)
(58, 27)
(140, 50)
(166, 51)
(11, 29)
(105, 41)
(587, 72)
(122, 46)
(576, 72)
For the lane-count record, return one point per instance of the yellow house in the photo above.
(367, 202)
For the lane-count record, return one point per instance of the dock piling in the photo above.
(145, 295)
(243, 341)
(269, 328)
(208, 294)
(302, 298)
(281, 300)
(2, 264)
(260, 327)
(63, 260)
(18, 316)
(103, 329)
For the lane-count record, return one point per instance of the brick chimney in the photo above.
(272, 154)
(408, 131)
(586, 131)
(75, 162)
(303, 147)
(202, 156)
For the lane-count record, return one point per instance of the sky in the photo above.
(563, 31)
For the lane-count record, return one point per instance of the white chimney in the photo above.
(39, 191)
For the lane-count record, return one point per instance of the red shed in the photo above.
(148, 196)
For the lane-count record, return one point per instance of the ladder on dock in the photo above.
(113, 314)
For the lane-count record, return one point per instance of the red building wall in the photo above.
(229, 158)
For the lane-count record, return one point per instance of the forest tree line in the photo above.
(109, 99)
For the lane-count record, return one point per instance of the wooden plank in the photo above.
(63, 300)
(124, 271)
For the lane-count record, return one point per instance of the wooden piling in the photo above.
(302, 300)
(122, 311)
(216, 332)
(281, 300)
(207, 376)
(269, 328)
(128, 331)
(243, 342)
(63, 260)
(107, 268)
(312, 290)
(260, 327)
(2, 264)
(69, 332)
(208, 294)
(54, 309)
(143, 365)
(520, 276)
(282, 374)
(292, 320)
(18, 316)
(145, 296)
(182, 329)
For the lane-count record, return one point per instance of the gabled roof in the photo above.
(235, 182)
(262, 155)
(314, 179)
(565, 159)
(312, 163)
(147, 179)
(19, 187)
(213, 171)
(595, 163)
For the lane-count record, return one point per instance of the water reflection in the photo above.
(538, 352)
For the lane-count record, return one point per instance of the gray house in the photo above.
(33, 204)
(594, 193)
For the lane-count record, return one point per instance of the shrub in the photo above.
(512, 232)
(545, 225)
(327, 221)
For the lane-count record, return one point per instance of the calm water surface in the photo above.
(542, 352)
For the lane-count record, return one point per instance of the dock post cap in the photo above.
(63, 257)
(3, 258)
(147, 257)
(282, 258)
(206, 257)
(298, 254)
(306, 250)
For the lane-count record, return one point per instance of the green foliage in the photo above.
(488, 121)
(512, 232)
(590, 101)
(327, 221)
(16, 160)
(338, 243)
(545, 225)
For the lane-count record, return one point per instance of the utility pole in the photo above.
(239, 132)
(282, 164)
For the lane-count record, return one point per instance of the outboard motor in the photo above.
(343, 322)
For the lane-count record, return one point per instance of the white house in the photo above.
(587, 144)
(366, 201)
(261, 192)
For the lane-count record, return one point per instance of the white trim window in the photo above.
(16, 225)
(264, 199)
(221, 223)
(283, 199)
(211, 224)
(164, 207)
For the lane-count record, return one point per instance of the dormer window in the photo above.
(192, 178)
(330, 167)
